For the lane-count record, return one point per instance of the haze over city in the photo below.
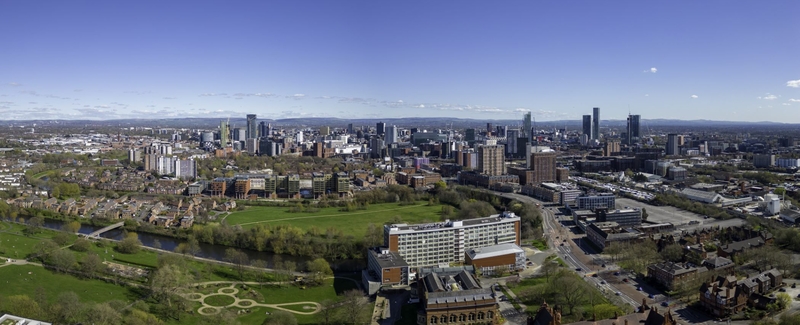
(715, 60)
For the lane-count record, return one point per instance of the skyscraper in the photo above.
(264, 129)
(252, 127)
(489, 129)
(511, 141)
(596, 123)
(223, 134)
(380, 128)
(633, 129)
(391, 134)
(491, 160)
(672, 145)
(526, 125)
(469, 136)
(587, 125)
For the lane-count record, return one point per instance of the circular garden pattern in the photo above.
(219, 300)
(228, 290)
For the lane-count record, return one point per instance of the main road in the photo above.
(553, 231)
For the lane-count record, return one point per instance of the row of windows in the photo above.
(452, 318)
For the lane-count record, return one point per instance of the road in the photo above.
(552, 229)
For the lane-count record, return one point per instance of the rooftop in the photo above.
(503, 217)
(387, 258)
(492, 251)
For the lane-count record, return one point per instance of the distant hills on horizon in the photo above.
(442, 122)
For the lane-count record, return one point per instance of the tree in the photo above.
(318, 269)
(261, 272)
(22, 305)
(67, 308)
(239, 259)
(91, 265)
(103, 314)
(783, 300)
(72, 226)
(35, 224)
(571, 290)
(81, 244)
(61, 238)
(130, 244)
(354, 306)
(280, 317)
(44, 248)
(327, 312)
(644, 214)
(672, 253)
(63, 260)
(165, 282)
(374, 236)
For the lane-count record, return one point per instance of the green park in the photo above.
(354, 221)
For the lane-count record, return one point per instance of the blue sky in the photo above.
(721, 60)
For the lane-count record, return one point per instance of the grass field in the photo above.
(19, 282)
(355, 222)
(14, 244)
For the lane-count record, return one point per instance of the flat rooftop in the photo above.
(492, 251)
(497, 218)
(387, 260)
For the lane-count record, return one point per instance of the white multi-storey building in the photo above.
(591, 202)
(446, 242)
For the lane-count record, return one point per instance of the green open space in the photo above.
(16, 244)
(540, 244)
(24, 279)
(329, 290)
(219, 300)
(355, 222)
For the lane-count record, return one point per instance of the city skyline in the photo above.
(682, 60)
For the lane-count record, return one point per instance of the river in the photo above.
(215, 252)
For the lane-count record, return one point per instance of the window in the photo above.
(453, 318)
(490, 315)
(443, 319)
(480, 315)
(433, 319)
(462, 317)
(471, 316)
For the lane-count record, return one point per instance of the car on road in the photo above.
(618, 293)
(651, 296)
(579, 269)
(639, 289)
(562, 244)
(603, 265)
(664, 304)
(594, 275)
(782, 289)
(602, 281)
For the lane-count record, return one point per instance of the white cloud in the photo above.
(646, 95)
(653, 70)
(212, 94)
(786, 104)
(694, 96)
(170, 98)
(297, 96)
(768, 96)
(14, 84)
(793, 83)
(794, 100)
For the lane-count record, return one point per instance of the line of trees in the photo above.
(67, 308)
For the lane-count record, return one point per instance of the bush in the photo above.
(81, 245)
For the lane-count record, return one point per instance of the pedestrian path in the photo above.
(231, 291)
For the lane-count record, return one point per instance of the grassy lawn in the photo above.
(14, 244)
(219, 300)
(354, 221)
(540, 244)
(19, 282)
(538, 284)
(329, 290)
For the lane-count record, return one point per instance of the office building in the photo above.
(512, 136)
(502, 258)
(489, 129)
(239, 134)
(633, 132)
(324, 130)
(543, 164)
(587, 126)
(384, 268)
(252, 127)
(265, 129)
(596, 123)
(447, 242)
(391, 134)
(672, 145)
(267, 147)
(501, 131)
(380, 128)
(787, 163)
(491, 160)
(610, 148)
(526, 125)
(469, 136)
(224, 134)
(763, 161)
(591, 202)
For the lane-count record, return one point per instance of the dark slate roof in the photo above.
(543, 317)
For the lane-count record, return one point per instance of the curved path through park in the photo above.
(231, 291)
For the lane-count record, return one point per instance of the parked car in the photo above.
(625, 280)
(651, 296)
(639, 289)
(665, 304)
(603, 265)
(782, 289)
(616, 273)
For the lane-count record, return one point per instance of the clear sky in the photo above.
(720, 60)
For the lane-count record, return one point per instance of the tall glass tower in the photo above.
(252, 127)
(596, 123)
